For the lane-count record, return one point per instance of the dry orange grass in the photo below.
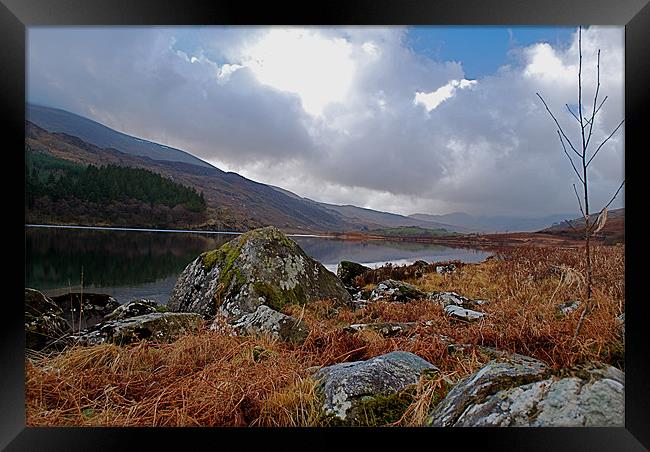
(210, 379)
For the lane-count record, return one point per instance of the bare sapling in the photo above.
(584, 159)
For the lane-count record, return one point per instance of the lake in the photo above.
(130, 264)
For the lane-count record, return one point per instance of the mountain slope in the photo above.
(493, 223)
(612, 232)
(237, 203)
(92, 132)
(375, 219)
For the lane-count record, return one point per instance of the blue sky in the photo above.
(482, 50)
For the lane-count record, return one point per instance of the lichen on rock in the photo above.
(156, 327)
(260, 267)
(377, 389)
(44, 322)
(520, 391)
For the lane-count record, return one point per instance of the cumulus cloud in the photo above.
(345, 115)
(433, 99)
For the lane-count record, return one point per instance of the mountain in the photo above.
(612, 232)
(375, 219)
(61, 121)
(493, 223)
(236, 203)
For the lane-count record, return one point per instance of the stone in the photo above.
(462, 314)
(392, 290)
(372, 392)
(260, 267)
(568, 307)
(266, 320)
(347, 272)
(386, 329)
(134, 308)
(44, 322)
(443, 269)
(450, 298)
(526, 394)
(496, 374)
(155, 327)
(95, 307)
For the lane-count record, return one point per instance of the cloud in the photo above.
(336, 114)
(433, 99)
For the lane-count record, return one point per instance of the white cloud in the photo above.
(433, 99)
(317, 68)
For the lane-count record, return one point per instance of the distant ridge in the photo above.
(55, 120)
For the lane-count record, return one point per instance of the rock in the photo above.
(525, 394)
(462, 314)
(134, 308)
(158, 327)
(278, 325)
(442, 269)
(384, 328)
(260, 267)
(489, 379)
(371, 392)
(44, 322)
(568, 307)
(95, 307)
(391, 290)
(450, 298)
(347, 272)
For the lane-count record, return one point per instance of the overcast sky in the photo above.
(407, 120)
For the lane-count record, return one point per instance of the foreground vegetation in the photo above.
(211, 379)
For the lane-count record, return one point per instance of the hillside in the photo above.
(485, 223)
(60, 191)
(92, 132)
(234, 202)
(370, 219)
(612, 232)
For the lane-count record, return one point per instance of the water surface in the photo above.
(130, 264)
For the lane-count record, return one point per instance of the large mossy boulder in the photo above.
(260, 267)
(44, 322)
(155, 327)
(372, 392)
(523, 392)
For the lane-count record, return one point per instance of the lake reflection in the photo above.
(136, 264)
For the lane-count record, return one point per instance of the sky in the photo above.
(399, 119)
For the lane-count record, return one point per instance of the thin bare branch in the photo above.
(559, 126)
(606, 140)
(571, 226)
(579, 202)
(572, 113)
(595, 102)
(597, 109)
(569, 157)
(582, 125)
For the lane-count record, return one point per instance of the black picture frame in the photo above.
(16, 15)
